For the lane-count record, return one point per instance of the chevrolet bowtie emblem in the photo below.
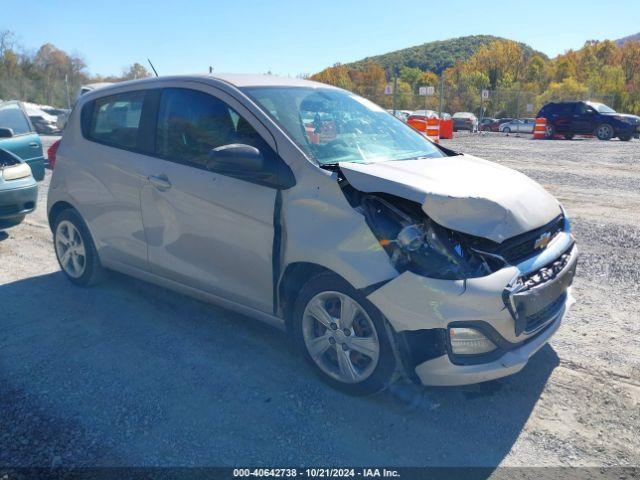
(542, 241)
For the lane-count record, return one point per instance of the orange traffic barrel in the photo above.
(446, 128)
(433, 129)
(418, 123)
(540, 129)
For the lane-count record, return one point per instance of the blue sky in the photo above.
(292, 37)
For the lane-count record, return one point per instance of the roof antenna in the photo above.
(152, 67)
(210, 70)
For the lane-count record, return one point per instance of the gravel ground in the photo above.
(131, 374)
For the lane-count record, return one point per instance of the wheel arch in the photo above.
(56, 209)
(295, 275)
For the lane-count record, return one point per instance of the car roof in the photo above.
(238, 80)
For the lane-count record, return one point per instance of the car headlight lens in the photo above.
(469, 341)
(417, 244)
(15, 172)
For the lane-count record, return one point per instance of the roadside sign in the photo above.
(485, 94)
(529, 107)
(426, 91)
(388, 90)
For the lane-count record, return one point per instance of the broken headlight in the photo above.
(417, 244)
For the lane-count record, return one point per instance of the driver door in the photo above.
(207, 230)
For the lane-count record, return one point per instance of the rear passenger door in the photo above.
(207, 230)
(562, 117)
(25, 142)
(102, 175)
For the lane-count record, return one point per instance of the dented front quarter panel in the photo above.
(320, 227)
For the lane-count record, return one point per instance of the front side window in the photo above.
(12, 116)
(115, 119)
(601, 108)
(192, 123)
(334, 126)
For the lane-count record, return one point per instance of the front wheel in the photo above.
(568, 136)
(506, 130)
(625, 138)
(75, 249)
(343, 336)
(604, 131)
(549, 131)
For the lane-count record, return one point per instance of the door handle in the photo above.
(161, 182)
(34, 144)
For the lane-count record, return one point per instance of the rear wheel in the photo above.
(624, 138)
(75, 249)
(506, 130)
(568, 136)
(343, 336)
(604, 131)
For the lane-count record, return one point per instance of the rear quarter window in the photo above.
(114, 120)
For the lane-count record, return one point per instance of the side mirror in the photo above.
(6, 132)
(236, 158)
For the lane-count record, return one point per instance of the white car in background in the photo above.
(43, 122)
(90, 87)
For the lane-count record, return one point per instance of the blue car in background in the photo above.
(588, 118)
(21, 164)
(18, 136)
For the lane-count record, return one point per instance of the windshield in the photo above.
(336, 126)
(602, 108)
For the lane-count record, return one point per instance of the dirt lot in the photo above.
(130, 374)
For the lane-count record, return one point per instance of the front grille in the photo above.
(546, 314)
(517, 249)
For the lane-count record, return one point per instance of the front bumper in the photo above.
(518, 319)
(16, 202)
(441, 371)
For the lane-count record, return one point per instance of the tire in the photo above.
(568, 136)
(625, 138)
(75, 250)
(604, 131)
(506, 130)
(549, 131)
(316, 322)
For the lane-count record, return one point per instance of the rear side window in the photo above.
(12, 116)
(192, 123)
(115, 119)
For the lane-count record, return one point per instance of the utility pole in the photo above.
(66, 84)
(395, 87)
(441, 94)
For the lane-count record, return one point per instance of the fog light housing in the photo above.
(469, 341)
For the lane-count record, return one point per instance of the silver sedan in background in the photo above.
(524, 125)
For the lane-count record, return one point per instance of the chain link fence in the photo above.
(502, 103)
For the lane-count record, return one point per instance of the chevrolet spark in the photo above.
(383, 254)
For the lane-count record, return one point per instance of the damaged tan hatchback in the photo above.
(381, 253)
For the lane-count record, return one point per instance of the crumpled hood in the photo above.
(463, 193)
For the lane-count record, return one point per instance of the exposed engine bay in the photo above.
(416, 243)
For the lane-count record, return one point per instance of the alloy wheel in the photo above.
(70, 249)
(340, 337)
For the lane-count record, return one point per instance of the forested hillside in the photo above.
(435, 56)
(520, 81)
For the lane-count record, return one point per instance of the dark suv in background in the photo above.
(588, 118)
